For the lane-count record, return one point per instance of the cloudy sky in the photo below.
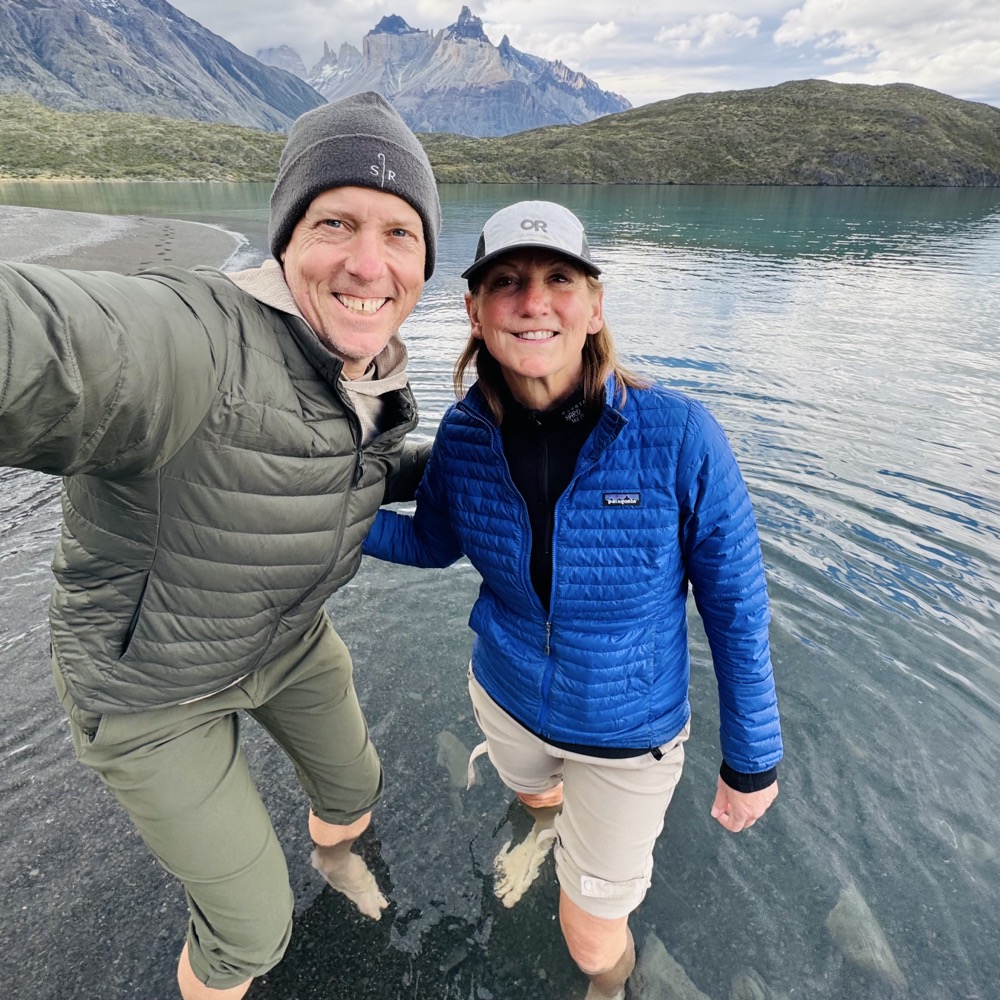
(655, 50)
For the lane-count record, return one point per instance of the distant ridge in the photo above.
(140, 55)
(803, 133)
(456, 80)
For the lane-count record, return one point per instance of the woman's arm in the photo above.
(424, 539)
(724, 564)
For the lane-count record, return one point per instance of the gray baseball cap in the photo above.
(531, 224)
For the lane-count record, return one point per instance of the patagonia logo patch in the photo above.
(633, 499)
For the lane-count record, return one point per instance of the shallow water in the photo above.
(847, 340)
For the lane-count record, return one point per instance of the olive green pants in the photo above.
(181, 775)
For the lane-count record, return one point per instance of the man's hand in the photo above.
(738, 810)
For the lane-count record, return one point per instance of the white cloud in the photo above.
(952, 47)
(598, 34)
(708, 31)
(572, 49)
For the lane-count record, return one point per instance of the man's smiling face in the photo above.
(355, 267)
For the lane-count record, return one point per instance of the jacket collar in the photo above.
(610, 425)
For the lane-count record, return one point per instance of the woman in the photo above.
(589, 501)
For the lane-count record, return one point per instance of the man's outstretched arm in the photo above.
(100, 372)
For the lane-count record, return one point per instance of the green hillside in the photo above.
(806, 132)
(37, 142)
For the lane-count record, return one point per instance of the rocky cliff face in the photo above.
(456, 80)
(140, 55)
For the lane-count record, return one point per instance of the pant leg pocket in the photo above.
(85, 726)
(89, 723)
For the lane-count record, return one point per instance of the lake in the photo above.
(847, 339)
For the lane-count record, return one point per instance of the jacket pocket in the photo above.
(134, 621)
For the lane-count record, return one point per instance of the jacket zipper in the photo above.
(543, 715)
(359, 468)
(546, 682)
(494, 433)
(550, 546)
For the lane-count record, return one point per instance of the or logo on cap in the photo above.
(510, 229)
(382, 171)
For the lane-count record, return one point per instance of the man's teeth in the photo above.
(535, 335)
(361, 305)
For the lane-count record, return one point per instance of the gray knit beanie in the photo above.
(359, 141)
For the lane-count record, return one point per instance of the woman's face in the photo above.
(534, 309)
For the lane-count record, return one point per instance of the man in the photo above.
(225, 443)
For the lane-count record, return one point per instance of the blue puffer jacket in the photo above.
(656, 502)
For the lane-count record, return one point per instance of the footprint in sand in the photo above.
(517, 868)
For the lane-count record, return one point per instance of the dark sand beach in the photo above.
(123, 243)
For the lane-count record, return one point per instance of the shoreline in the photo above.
(87, 241)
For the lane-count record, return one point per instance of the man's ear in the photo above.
(472, 308)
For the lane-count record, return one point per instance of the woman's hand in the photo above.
(739, 810)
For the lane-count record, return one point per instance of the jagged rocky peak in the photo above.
(455, 80)
(468, 28)
(392, 24)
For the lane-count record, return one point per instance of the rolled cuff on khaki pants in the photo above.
(613, 808)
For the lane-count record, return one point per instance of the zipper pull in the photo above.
(548, 637)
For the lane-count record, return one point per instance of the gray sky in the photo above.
(652, 51)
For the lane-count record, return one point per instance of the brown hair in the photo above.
(600, 361)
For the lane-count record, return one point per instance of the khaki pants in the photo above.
(613, 808)
(181, 775)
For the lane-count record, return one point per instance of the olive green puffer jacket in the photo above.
(216, 492)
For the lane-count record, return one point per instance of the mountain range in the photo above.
(145, 56)
(171, 100)
(140, 56)
(455, 79)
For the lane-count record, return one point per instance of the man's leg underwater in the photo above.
(344, 870)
